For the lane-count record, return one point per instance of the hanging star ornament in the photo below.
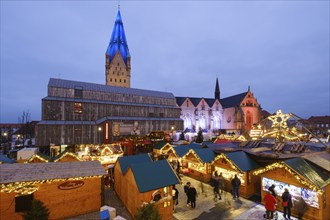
(279, 119)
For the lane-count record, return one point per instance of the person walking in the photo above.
(175, 195)
(192, 194)
(221, 183)
(270, 205)
(235, 183)
(186, 190)
(216, 185)
(287, 203)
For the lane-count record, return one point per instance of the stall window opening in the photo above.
(23, 203)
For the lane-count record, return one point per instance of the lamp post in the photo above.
(99, 134)
(172, 129)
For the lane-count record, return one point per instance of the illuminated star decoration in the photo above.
(279, 119)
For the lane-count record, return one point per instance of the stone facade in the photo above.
(239, 112)
(86, 113)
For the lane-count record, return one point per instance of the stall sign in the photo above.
(71, 185)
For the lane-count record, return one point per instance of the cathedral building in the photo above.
(77, 112)
(235, 113)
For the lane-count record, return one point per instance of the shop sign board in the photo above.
(69, 185)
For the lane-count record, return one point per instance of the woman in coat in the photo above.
(287, 203)
(270, 205)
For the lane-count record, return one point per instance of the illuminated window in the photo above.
(78, 107)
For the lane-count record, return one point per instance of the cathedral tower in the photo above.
(217, 90)
(117, 57)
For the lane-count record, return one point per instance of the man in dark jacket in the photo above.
(235, 183)
(186, 190)
(192, 194)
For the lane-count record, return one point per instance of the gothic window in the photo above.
(203, 106)
(78, 107)
(115, 80)
(187, 103)
(78, 92)
(110, 79)
(124, 80)
(120, 80)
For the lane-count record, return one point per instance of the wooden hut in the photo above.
(121, 167)
(38, 158)
(161, 149)
(66, 156)
(66, 189)
(149, 182)
(198, 161)
(302, 178)
(239, 163)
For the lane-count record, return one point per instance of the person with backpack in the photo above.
(235, 183)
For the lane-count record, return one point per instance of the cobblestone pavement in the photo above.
(207, 208)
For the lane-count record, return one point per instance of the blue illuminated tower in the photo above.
(117, 57)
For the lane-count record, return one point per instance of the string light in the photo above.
(68, 154)
(223, 156)
(289, 170)
(37, 157)
(26, 188)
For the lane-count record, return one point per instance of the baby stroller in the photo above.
(275, 216)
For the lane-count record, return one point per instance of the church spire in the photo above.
(118, 59)
(217, 90)
(118, 40)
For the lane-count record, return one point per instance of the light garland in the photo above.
(289, 170)
(193, 153)
(223, 156)
(68, 154)
(38, 157)
(26, 188)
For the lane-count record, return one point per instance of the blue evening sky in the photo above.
(278, 48)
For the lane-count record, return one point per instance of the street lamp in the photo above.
(99, 133)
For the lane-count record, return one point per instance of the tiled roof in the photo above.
(242, 161)
(316, 175)
(205, 154)
(232, 101)
(155, 175)
(23, 172)
(228, 102)
(319, 119)
(127, 161)
(180, 100)
(69, 84)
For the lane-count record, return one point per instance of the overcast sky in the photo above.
(278, 48)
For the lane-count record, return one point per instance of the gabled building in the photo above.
(237, 113)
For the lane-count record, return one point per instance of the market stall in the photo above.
(242, 165)
(303, 179)
(198, 162)
(66, 189)
(161, 149)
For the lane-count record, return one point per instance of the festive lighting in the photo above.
(223, 156)
(26, 188)
(191, 151)
(38, 157)
(289, 170)
(68, 154)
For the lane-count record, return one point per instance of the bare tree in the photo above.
(24, 120)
